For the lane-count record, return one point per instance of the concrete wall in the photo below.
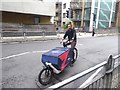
(40, 7)
(9, 17)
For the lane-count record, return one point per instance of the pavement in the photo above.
(38, 38)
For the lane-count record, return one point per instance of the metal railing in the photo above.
(27, 33)
(108, 79)
(18, 30)
(17, 26)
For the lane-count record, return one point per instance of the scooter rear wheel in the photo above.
(45, 76)
(75, 55)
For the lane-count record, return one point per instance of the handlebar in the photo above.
(65, 41)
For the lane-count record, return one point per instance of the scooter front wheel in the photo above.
(45, 76)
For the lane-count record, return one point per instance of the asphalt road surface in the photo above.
(21, 62)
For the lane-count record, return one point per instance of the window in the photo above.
(37, 20)
(64, 15)
(63, 23)
(56, 14)
(64, 5)
(103, 24)
(56, 6)
(105, 5)
(104, 15)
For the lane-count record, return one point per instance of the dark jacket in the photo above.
(71, 35)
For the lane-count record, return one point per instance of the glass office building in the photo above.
(102, 11)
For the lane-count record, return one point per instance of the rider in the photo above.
(71, 34)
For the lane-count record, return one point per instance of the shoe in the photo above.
(73, 61)
(71, 65)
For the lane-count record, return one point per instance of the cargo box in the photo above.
(57, 56)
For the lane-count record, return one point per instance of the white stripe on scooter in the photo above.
(40, 51)
(90, 78)
(20, 54)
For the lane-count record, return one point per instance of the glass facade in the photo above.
(106, 4)
(103, 24)
(114, 6)
(105, 13)
(78, 15)
(113, 17)
(102, 9)
(95, 11)
(87, 14)
(96, 3)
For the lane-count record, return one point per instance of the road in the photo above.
(21, 61)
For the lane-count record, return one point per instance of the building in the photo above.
(60, 16)
(65, 7)
(28, 12)
(118, 14)
(76, 7)
(58, 12)
(93, 13)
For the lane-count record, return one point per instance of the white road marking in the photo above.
(20, 54)
(90, 78)
(14, 55)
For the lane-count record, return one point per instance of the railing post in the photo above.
(1, 35)
(58, 33)
(24, 33)
(43, 32)
(109, 70)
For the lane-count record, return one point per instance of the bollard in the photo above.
(109, 70)
(24, 29)
(43, 32)
(24, 34)
(0, 36)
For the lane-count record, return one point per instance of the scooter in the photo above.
(55, 61)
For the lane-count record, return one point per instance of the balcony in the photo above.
(76, 5)
(76, 18)
(88, 4)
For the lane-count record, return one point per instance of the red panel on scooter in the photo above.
(64, 57)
